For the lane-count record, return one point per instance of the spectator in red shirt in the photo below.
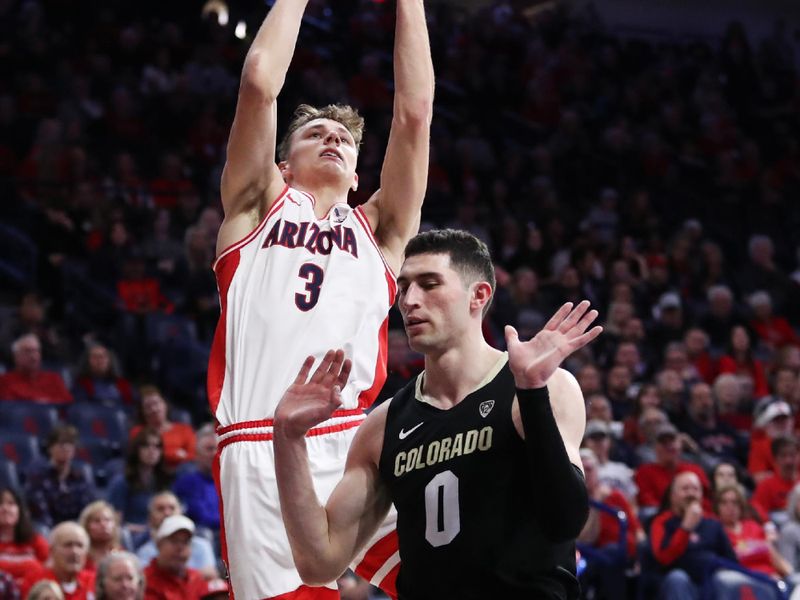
(654, 478)
(774, 421)
(696, 342)
(21, 549)
(69, 544)
(600, 534)
(119, 577)
(773, 331)
(178, 438)
(99, 379)
(739, 360)
(28, 381)
(167, 576)
(771, 493)
(101, 523)
(754, 549)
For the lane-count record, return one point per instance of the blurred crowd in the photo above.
(654, 176)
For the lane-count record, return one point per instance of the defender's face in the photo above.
(321, 146)
(433, 300)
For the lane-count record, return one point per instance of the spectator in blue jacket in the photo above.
(195, 488)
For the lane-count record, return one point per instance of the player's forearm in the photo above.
(305, 519)
(413, 66)
(563, 510)
(271, 53)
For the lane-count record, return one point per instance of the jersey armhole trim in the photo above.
(249, 237)
(362, 219)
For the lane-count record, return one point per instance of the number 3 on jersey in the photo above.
(313, 275)
(442, 518)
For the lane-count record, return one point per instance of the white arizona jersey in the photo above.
(298, 286)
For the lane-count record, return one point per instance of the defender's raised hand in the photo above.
(309, 402)
(534, 361)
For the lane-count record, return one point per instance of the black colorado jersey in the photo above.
(461, 482)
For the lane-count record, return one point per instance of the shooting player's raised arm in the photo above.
(251, 180)
(394, 210)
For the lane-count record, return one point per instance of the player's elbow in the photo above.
(414, 113)
(257, 80)
(314, 572)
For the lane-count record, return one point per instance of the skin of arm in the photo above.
(325, 539)
(251, 179)
(394, 210)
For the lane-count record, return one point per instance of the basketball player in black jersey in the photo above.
(479, 453)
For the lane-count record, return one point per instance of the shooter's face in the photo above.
(321, 147)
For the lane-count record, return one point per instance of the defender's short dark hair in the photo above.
(469, 256)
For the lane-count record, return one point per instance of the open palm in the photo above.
(534, 361)
(309, 402)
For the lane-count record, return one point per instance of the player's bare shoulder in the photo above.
(243, 214)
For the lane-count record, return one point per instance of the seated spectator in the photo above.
(726, 474)
(722, 316)
(654, 478)
(696, 342)
(789, 537)
(616, 475)
(202, 556)
(773, 331)
(57, 490)
(21, 548)
(672, 391)
(772, 492)
(731, 409)
(618, 383)
(9, 590)
(69, 544)
(144, 476)
(739, 360)
(196, 489)
(99, 379)
(648, 424)
(168, 575)
(45, 590)
(27, 381)
(715, 440)
(119, 577)
(754, 548)
(178, 438)
(684, 542)
(601, 533)
(646, 397)
(100, 522)
(773, 422)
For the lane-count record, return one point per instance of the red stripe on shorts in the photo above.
(377, 555)
(265, 437)
(271, 422)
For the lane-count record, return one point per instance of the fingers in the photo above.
(582, 340)
(574, 316)
(557, 318)
(324, 367)
(344, 374)
(585, 321)
(512, 337)
(333, 369)
(304, 370)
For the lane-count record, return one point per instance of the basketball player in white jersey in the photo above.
(299, 272)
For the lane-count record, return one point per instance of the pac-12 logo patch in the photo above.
(486, 407)
(338, 215)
